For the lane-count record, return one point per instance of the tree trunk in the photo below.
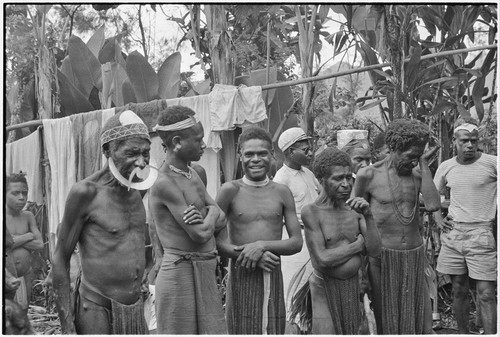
(394, 38)
(221, 48)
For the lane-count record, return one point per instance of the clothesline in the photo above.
(312, 79)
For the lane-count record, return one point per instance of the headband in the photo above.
(184, 124)
(466, 126)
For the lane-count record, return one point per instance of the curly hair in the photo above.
(16, 178)
(401, 134)
(254, 132)
(322, 166)
(172, 115)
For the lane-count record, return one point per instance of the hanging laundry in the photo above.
(86, 130)
(58, 140)
(25, 155)
(232, 106)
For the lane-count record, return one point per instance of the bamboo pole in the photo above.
(311, 79)
(368, 68)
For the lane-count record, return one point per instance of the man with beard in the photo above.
(305, 189)
(186, 219)
(337, 236)
(392, 187)
(105, 216)
(468, 244)
(256, 209)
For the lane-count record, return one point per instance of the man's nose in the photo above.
(141, 162)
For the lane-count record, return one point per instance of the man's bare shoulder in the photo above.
(84, 188)
(165, 183)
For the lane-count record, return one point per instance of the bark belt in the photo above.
(93, 296)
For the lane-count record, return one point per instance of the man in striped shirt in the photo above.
(468, 244)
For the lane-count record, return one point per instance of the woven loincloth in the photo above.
(343, 304)
(187, 298)
(124, 319)
(402, 283)
(255, 301)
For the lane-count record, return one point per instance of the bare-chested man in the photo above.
(256, 209)
(22, 226)
(392, 187)
(186, 218)
(105, 215)
(338, 231)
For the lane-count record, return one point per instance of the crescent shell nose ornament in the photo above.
(150, 172)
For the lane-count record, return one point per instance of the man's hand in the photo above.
(192, 216)
(426, 157)
(250, 254)
(268, 261)
(446, 225)
(11, 282)
(359, 205)
(360, 240)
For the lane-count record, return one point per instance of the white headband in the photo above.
(185, 124)
(466, 126)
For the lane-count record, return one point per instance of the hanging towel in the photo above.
(25, 155)
(232, 106)
(86, 131)
(60, 147)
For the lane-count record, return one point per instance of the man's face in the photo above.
(338, 184)
(406, 160)
(301, 153)
(380, 154)
(134, 152)
(360, 158)
(16, 196)
(466, 143)
(256, 158)
(192, 145)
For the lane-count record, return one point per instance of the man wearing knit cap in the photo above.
(468, 245)
(105, 216)
(305, 189)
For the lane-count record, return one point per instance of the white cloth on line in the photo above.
(25, 155)
(61, 152)
(232, 106)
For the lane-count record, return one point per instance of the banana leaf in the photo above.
(128, 93)
(142, 77)
(67, 70)
(85, 66)
(72, 100)
(169, 76)
(96, 41)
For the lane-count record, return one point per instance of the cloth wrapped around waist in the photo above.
(255, 301)
(343, 301)
(125, 319)
(403, 290)
(187, 297)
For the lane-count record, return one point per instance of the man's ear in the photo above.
(176, 140)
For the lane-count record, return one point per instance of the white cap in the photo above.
(290, 137)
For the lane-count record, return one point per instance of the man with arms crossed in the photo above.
(256, 208)
(186, 218)
(105, 215)
(337, 236)
(468, 246)
(392, 186)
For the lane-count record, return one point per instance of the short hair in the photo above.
(401, 134)
(356, 144)
(171, 115)
(331, 156)
(16, 178)
(463, 120)
(379, 141)
(254, 132)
